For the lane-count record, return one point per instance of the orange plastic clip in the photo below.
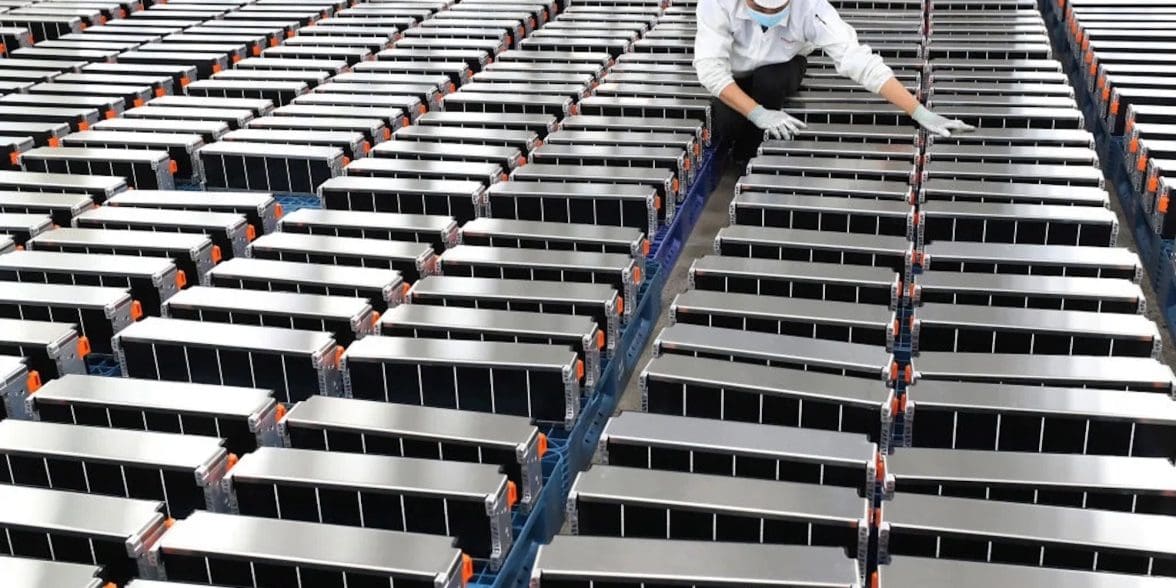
(216, 68)
(168, 522)
(406, 289)
(620, 305)
(542, 445)
(879, 466)
(522, 160)
(181, 279)
(217, 254)
(512, 494)
(1133, 145)
(54, 142)
(136, 310)
(184, 81)
(1141, 163)
(674, 185)
(657, 202)
(160, 92)
(173, 167)
(645, 247)
(83, 346)
(110, 113)
(1153, 183)
(366, 147)
(280, 412)
(375, 318)
(33, 381)
(289, 34)
(636, 275)
(600, 339)
(1162, 205)
(339, 349)
(388, 133)
(278, 212)
(137, 102)
(14, 158)
(874, 582)
(579, 369)
(467, 569)
(256, 51)
(273, 42)
(1115, 105)
(236, 57)
(232, 460)
(346, 161)
(250, 233)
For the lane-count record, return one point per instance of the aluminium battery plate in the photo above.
(34, 572)
(1031, 291)
(423, 169)
(581, 560)
(381, 287)
(1119, 373)
(439, 231)
(1126, 542)
(949, 190)
(345, 318)
(898, 191)
(1104, 262)
(835, 357)
(215, 539)
(923, 571)
(795, 279)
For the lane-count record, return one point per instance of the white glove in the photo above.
(939, 125)
(776, 123)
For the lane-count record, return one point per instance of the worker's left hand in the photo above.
(939, 125)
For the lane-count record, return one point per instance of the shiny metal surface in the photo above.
(1129, 295)
(321, 275)
(722, 307)
(610, 559)
(112, 446)
(936, 189)
(1139, 534)
(19, 572)
(1046, 471)
(520, 290)
(744, 346)
(381, 473)
(41, 295)
(738, 438)
(415, 422)
(817, 240)
(463, 353)
(37, 333)
(139, 394)
(290, 543)
(564, 327)
(520, 258)
(720, 494)
(154, 330)
(909, 571)
(74, 512)
(224, 300)
(1038, 321)
(554, 231)
(1135, 373)
(130, 239)
(1045, 401)
(87, 263)
(1099, 259)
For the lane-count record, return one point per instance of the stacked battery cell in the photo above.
(1038, 392)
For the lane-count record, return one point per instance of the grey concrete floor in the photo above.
(700, 243)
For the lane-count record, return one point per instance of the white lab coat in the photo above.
(729, 44)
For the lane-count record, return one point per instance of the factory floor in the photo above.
(701, 242)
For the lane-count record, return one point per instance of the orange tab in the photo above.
(232, 460)
(160, 92)
(256, 51)
(173, 167)
(879, 467)
(636, 275)
(874, 576)
(217, 254)
(216, 68)
(1115, 105)
(136, 310)
(1141, 164)
(236, 57)
(184, 81)
(289, 34)
(366, 147)
(83, 346)
(387, 134)
(181, 279)
(422, 109)
(1153, 183)
(280, 412)
(542, 445)
(620, 305)
(512, 494)
(600, 339)
(1106, 92)
(346, 161)
(674, 185)
(339, 355)
(137, 102)
(522, 160)
(168, 522)
(54, 142)
(375, 318)
(278, 213)
(250, 233)
(645, 246)
(657, 203)
(33, 381)
(686, 164)
(14, 158)
(467, 569)
(1162, 205)
(405, 289)
(273, 42)
(1133, 146)
(3, 49)
(579, 369)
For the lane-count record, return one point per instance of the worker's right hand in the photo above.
(776, 123)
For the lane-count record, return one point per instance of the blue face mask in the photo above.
(770, 20)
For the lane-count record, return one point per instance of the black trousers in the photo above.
(769, 85)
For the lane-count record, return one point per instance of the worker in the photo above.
(750, 54)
